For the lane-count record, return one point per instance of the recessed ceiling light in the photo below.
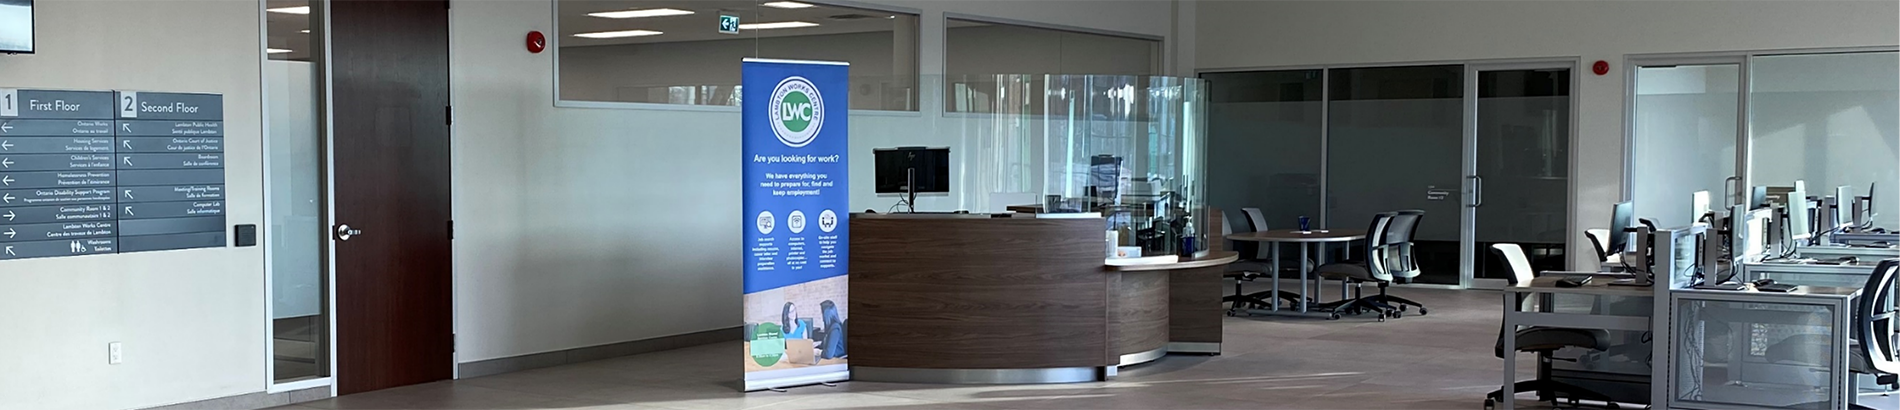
(304, 31)
(787, 5)
(781, 24)
(291, 10)
(275, 51)
(619, 34)
(628, 14)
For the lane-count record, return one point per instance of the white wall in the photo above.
(580, 227)
(192, 321)
(1252, 34)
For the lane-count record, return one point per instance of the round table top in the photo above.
(1295, 235)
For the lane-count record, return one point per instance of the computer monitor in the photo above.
(1843, 209)
(912, 170)
(1800, 228)
(1749, 242)
(1622, 217)
(1864, 208)
(1758, 197)
(1698, 206)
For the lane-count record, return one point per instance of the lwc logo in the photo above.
(797, 111)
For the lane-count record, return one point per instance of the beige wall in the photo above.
(192, 322)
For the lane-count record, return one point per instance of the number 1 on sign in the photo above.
(8, 107)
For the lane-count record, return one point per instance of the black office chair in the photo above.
(1872, 346)
(1261, 263)
(1247, 269)
(1372, 267)
(1543, 341)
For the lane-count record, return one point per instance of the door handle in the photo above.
(1477, 191)
(344, 232)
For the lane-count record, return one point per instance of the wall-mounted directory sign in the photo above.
(91, 172)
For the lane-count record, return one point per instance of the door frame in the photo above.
(319, 37)
(1472, 183)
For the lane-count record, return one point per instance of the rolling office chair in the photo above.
(1601, 239)
(1247, 269)
(1544, 341)
(1404, 265)
(1373, 268)
(1872, 347)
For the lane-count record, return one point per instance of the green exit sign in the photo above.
(728, 24)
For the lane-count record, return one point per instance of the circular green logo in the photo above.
(798, 118)
(768, 344)
(797, 111)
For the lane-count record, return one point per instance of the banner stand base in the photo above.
(797, 381)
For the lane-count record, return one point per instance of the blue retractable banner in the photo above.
(796, 195)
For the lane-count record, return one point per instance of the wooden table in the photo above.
(1305, 238)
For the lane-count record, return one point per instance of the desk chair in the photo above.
(1247, 269)
(1543, 341)
(1373, 268)
(1601, 239)
(1872, 347)
(1399, 240)
(1261, 263)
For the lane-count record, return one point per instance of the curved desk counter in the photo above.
(983, 300)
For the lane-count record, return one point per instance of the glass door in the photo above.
(1519, 180)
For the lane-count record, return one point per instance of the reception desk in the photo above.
(1002, 300)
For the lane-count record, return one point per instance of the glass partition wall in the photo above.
(1340, 144)
(1131, 148)
(294, 237)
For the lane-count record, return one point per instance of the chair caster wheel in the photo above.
(1422, 312)
(1381, 318)
(1396, 315)
(1335, 316)
(1401, 308)
(1490, 404)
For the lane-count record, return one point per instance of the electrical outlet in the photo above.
(115, 353)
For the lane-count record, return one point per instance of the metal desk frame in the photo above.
(1515, 317)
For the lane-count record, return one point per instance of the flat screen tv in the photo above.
(16, 26)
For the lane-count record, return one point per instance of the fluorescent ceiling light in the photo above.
(781, 24)
(628, 14)
(619, 34)
(304, 31)
(787, 5)
(275, 51)
(291, 10)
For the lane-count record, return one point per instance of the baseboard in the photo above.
(592, 353)
(253, 401)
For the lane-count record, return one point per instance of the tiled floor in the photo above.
(1439, 361)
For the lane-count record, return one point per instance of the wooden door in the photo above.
(390, 92)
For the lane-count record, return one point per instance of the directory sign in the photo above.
(92, 172)
(795, 236)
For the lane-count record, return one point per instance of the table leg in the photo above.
(1275, 268)
(1509, 400)
(1304, 268)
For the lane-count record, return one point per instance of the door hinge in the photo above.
(448, 115)
(451, 230)
(452, 342)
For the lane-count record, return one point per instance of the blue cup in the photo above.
(1304, 226)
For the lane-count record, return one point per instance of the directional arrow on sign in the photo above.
(11, 233)
(9, 216)
(6, 145)
(128, 161)
(6, 180)
(126, 126)
(10, 252)
(6, 127)
(126, 143)
(8, 198)
(128, 211)
(128, 194)
(6, 162)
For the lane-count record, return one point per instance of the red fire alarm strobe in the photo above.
(537, 42)
(1601, 67)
